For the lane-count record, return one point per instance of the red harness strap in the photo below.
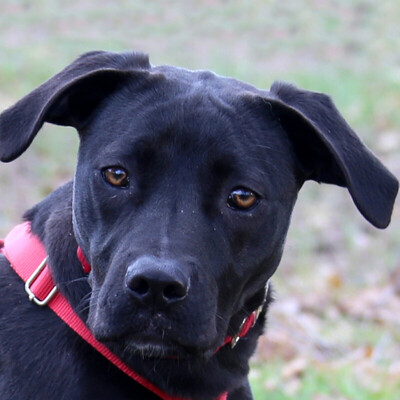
(27, 256)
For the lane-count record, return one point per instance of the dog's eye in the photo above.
(116, 176)
(242, 199)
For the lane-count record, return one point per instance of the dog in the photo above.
(164, 242)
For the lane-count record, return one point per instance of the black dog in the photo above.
(181, 202)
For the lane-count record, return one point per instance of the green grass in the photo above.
(319, 382)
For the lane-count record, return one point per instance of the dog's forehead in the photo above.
(205, 79)
(172, 109)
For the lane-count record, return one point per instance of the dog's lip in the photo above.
(155, 347)
(150, 348)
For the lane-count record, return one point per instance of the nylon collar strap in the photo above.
(28, 258)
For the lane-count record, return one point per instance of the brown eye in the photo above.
(242, 199)
(116, 176)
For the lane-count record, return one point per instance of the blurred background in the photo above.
(334, 330)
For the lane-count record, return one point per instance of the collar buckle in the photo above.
(32, 279)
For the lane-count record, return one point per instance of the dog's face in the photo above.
(190, 204)
(184, 189)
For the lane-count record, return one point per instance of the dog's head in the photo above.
(184, 190)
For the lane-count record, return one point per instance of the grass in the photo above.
(337, 297)
(319, 382)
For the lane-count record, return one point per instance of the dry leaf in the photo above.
(295, 368)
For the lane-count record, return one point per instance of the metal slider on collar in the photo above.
(31, 280)
(236, 338)
(259, 309)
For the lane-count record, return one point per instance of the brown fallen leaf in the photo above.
(295, 368)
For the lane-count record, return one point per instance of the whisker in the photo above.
(82, 279)
(87, 300)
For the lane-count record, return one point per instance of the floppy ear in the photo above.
(68, 98)
(329, 151)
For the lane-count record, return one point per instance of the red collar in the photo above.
(28, 258)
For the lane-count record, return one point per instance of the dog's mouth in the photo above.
(148, 348)
(154, 344)
(153, 336)
(151, 347)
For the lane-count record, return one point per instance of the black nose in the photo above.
(157, 283)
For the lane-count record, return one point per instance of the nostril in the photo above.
(174, 292)
(140, 286)
(157, 283)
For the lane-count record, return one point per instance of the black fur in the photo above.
(187, 140)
